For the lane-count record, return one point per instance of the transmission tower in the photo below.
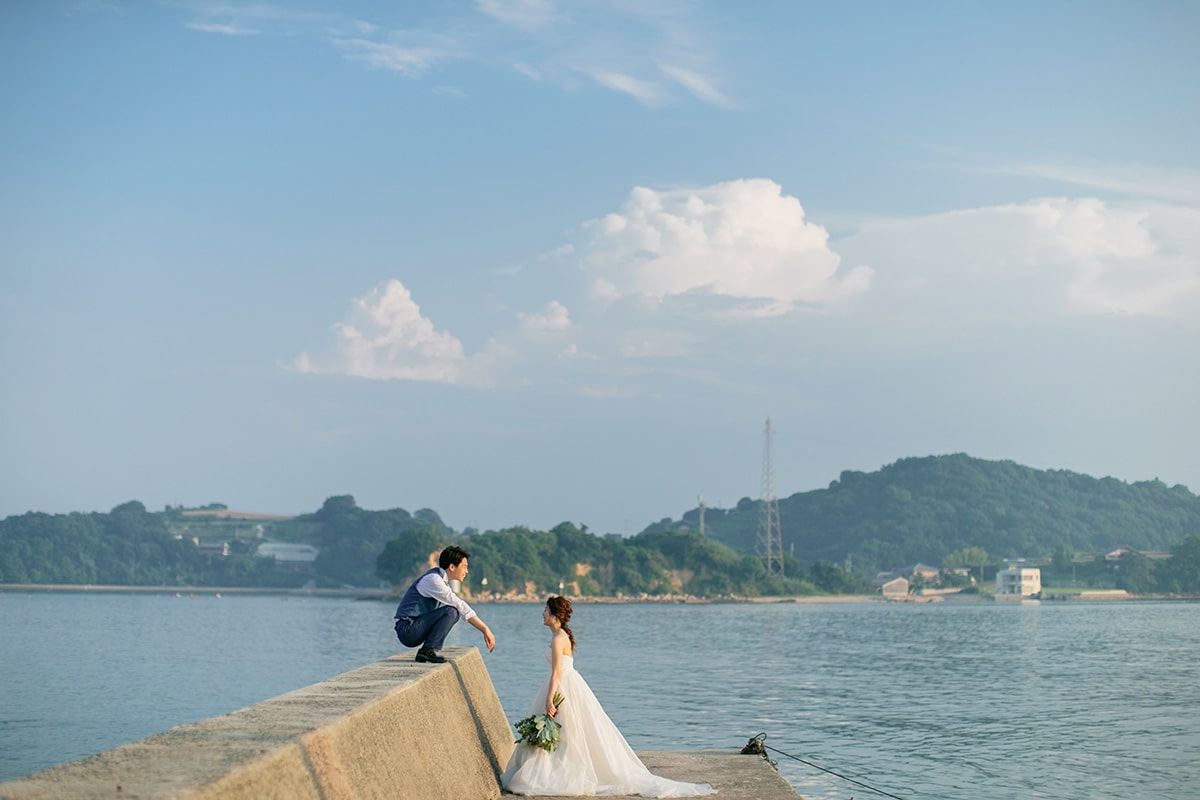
(770, 538)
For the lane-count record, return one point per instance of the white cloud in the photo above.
(527, 71)
(1175, 185)
(410, 61)
(698, 85)
(652, 53)
(528, 15)
(645, 51)
(1043, 256)
(676, 270)
(554, 318)
(611, 392)
(742, 239)
(227, 29)
(645, 92)
(386, 337)
(235, 18)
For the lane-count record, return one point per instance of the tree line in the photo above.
(924, 509)
(939, 510)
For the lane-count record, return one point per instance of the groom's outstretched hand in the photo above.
(482, 627)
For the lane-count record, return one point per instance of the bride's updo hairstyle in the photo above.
(560, 607)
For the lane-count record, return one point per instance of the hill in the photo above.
(917, 509)
(924, 509)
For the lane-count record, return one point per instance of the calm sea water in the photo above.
(970, 700)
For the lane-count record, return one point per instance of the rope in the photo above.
(758, 746)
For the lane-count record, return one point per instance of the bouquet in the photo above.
(540, 730)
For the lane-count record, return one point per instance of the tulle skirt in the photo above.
(592, 757)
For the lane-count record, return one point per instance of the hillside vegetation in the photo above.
(924, 509)
(937, 510)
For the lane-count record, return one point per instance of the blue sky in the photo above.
(525, 261)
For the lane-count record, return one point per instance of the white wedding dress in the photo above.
(592, 757)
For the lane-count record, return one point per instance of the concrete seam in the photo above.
(484, 741)
(312, 770)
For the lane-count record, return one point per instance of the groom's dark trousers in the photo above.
(421, 621)
(428, 630)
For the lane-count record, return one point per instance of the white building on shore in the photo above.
(1018, 580)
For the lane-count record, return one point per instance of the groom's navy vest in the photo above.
(414, 604)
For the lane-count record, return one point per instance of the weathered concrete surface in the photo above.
(734, 776)
(392, 729)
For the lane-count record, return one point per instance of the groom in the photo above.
(430, 608)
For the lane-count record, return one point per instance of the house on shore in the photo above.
(895, 589)
(1018, 580)
(286, 554)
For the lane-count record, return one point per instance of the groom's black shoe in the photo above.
(427, 655)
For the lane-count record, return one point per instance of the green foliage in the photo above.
(832, 579)
(520, 560)
(352, 539)
(1179, 574)
(966, 557)
(408, 555)
(943, 509)
(929, 509)
(128, 546)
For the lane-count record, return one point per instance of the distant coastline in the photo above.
(190, 590)
(392, 594)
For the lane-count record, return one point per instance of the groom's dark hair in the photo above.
(452, 555)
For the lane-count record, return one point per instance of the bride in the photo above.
(592, 757)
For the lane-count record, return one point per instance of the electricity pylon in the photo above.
(770, 537)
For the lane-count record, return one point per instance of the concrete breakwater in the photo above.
(387, 730)
(391, 729)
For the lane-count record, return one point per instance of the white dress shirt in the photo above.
(434, 585)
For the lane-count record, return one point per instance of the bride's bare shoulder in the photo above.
(562, 643)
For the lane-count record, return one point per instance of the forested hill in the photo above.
(918, 509)
(922, 509)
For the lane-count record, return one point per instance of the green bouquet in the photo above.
(540, 730)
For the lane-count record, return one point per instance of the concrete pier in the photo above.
(392, 729)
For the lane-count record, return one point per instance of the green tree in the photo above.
(1135, 574)
(409, 554)
(1180, 574)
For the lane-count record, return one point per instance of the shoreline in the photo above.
(391, 595)
(372, 594)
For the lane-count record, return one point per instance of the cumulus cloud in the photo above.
(554, 318)
(742, 239)
(385, 336)
(683, 282)
(1081, 255)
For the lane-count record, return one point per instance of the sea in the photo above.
(923, 701)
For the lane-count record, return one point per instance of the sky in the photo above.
(525, 262)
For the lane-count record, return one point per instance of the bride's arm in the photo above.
(555, 671)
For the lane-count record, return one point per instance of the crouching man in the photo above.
(430, 608)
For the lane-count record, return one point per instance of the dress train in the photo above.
(592, 757)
